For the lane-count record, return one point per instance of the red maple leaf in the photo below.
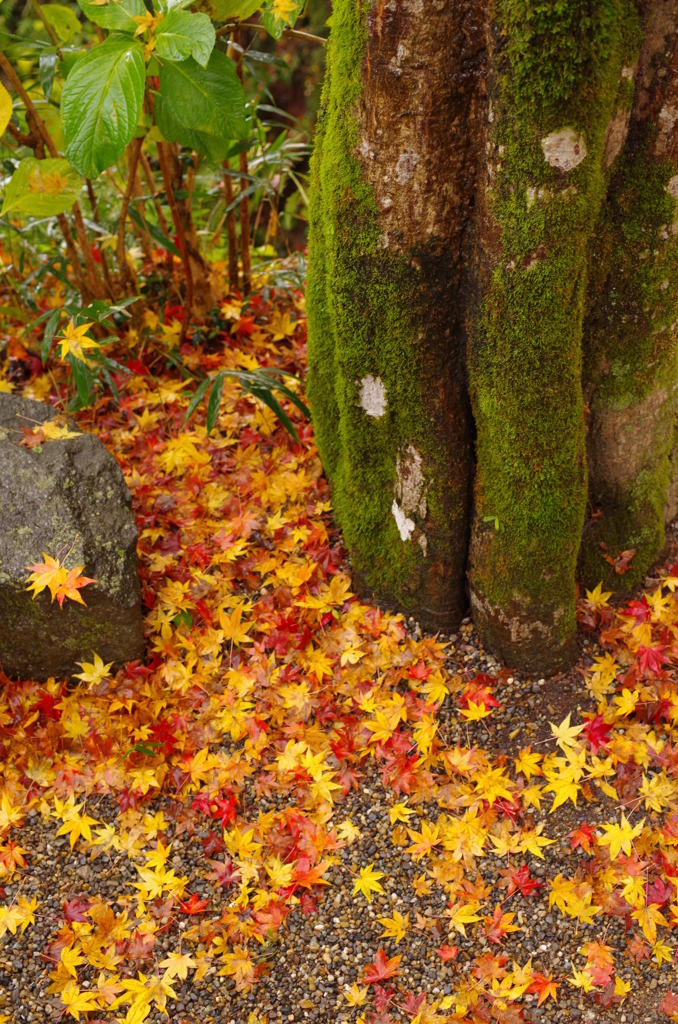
(519, 878)
(447, 952)
(381, 968)
(640, 610)
(669, 1004)
(582, 836)
(194, 905)
(223, 873)
(658, 893)
(652, 658)
(597, 733)
(75, 910)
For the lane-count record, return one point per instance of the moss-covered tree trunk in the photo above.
(554, 74)
(477, 211)
(393, 196)
(630, 330)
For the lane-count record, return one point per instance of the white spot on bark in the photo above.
(373, 396)
(407, 163)
(564, 149)
(405, 525)
(531, 196)
(667, 118)
(629, 73)
(672, 186)
(422, 541)
(410, 484)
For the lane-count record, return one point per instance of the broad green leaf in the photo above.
(63, 20)
(224, 10)
(42, 188)
(216, 149)
(5, 108)
(208, 100)
(115, 15)
(182, 34)
(101, 103)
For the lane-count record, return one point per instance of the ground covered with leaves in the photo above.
(300, 807)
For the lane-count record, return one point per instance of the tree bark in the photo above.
(553, 74)
(461, 247)
(392, 199)
(630, 375)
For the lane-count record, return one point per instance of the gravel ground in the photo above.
(317, 955)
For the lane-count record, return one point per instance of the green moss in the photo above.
(526, 351)
(630, 359)
(367, 310)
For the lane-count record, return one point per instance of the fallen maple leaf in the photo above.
(62, 583)
(381, 968)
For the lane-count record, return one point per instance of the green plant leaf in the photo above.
(224, 10)
(217, 149)
(63, 20)
(84, 380)
(115, 15)
(48, 336)
(275, 25)
(101, 103)
(210, 100)
(48, 63)
(214, 402)
(42, 188)
(182, 34)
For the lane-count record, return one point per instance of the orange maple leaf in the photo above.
(62, 582)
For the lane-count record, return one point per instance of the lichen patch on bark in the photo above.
(564, 150)
(373, 396)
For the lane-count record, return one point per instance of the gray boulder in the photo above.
(68, 493)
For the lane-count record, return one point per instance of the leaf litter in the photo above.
(300, 807)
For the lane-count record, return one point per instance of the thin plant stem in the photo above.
(181, 237)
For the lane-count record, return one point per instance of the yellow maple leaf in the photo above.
(461, 914)
(10, 816)
(177, 965)
(73, 341)
(94, 671)
(395, 927)
(597, 598)
(475, 712)
(620, 837)
(76, 1002)
(234, 629)
(368, 882)
(355, 996)
(348, 832)
(565, 734)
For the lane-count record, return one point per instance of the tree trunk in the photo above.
(630, 333)
(392, 198)
(469, 207)
(552, 95)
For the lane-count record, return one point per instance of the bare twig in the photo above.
(256, 26)
(231, 232)
(179, 229)
(133, 162)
